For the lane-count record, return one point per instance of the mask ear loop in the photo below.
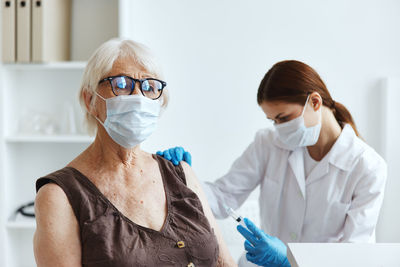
(305, 105)
(96, 116)
(100, 96)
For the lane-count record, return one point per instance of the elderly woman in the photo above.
(116, 205)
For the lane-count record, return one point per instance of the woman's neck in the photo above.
(330, 132)
(106, 152)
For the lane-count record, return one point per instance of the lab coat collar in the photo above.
(342, 155)
(346, 149)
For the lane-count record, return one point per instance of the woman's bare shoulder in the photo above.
(191, 179)
(50, 200)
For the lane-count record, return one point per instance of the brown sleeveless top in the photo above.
(108, 238)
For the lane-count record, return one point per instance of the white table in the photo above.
(344, 255)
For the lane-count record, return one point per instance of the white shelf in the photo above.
(21, 225)
(67, 65)
(47, 90)
(49, 139)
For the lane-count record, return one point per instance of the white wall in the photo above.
(215, 53)
(388, 229)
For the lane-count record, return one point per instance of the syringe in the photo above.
(235, 216)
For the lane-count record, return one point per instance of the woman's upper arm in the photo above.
(56, 240)
(224, 259)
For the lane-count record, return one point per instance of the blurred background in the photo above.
(214, 55)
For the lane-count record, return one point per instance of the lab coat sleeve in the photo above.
(364, 210)
(245, 174)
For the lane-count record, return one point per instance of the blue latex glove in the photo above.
(262, 249)
(176, 155)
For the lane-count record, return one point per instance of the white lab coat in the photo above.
(338, 202)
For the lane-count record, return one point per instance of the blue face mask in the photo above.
(131, 119)
(295, 134)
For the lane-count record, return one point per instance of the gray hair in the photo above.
(101, 62)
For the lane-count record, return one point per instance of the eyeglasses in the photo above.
(125, 85)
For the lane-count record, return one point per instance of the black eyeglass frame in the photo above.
(109, 79)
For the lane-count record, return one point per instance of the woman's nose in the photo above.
(136, 89)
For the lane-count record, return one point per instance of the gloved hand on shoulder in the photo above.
(176, 155)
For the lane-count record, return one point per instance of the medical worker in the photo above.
(319, 181)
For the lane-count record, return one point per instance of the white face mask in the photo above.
(131, 119)
(295, 134)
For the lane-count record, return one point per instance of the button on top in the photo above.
(181, 244)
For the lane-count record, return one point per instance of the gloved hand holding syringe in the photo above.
(262, 249)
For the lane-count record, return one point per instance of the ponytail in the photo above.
(343, 116)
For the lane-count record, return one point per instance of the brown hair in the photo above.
(292, 81)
